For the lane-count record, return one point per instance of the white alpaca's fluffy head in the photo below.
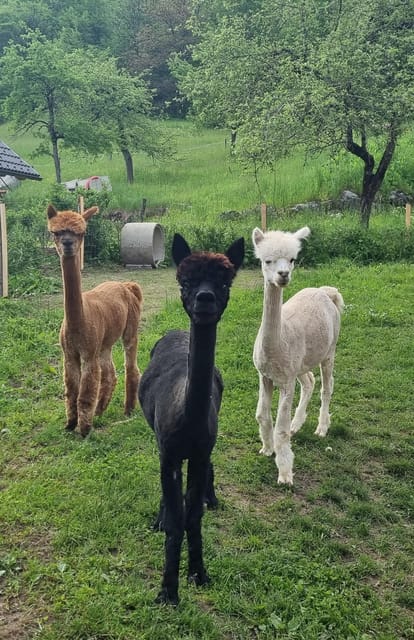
(277, 252)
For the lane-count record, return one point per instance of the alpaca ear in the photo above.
(180, 249)
(257, 236)
(51, 211)
(302, 233)
(235, 253)
(90, 212)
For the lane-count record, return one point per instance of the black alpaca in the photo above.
(180, 394)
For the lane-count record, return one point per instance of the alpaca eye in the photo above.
(268, 262)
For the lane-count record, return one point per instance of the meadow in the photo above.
(330, 559)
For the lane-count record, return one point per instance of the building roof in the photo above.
(13, 165)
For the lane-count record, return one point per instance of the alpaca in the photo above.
(180, 394)
(92, 323)
(293, 339)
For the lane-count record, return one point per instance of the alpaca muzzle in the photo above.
(205, 306)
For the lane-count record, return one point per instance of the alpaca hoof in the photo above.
(167, 597)
(321, 432)
(158, 524)
(85, 430)
(285, 478)
(295, 426)
(199, 578)
(129, 410)
(211, 502)
(71, 424)
(266, 451)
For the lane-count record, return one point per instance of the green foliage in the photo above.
(77, 98)
(63, 199)
(323, 75)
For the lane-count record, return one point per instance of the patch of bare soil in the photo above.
(19, 618)
(159, 286)
(16, 620)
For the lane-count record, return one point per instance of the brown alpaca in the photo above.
(93, 322)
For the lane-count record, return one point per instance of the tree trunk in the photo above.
(129, 165)
(54, 135)
(372, 181)
(56, 161)
(370, 187)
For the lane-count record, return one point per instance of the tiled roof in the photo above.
(12, 165)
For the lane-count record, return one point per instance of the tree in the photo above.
(39, 85)
(119, 110)
(85, 22)
(324, 75)
(77, 98)
(146, 34)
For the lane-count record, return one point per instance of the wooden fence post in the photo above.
(263, 211)
(4, 270)
(81, 207)
(408, 215)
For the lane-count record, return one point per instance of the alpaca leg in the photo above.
(264, 414)
(88, 395)
(171, 482)
(108, 382)
(210, 498)
(327, 384)
(196, 485)
(282, 447)
(159, 522)
(132, 373)
(72, 375)
(307, 383)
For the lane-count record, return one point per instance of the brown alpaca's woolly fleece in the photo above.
(67, 221)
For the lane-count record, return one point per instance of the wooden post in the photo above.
(263, 211)
(4, 270)
(408, 215)
(81, 207)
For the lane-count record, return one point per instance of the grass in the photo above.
(203, 180)
(330, 559)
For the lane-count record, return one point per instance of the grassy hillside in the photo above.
(203, 180)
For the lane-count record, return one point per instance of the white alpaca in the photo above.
(293, 339)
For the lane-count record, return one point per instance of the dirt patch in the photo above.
(159, 286)
(16, 620)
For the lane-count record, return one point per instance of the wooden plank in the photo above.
(81, 207)
(4, 269)
(408, 215)
(263, 211)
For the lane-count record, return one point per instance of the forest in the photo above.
(326, 75)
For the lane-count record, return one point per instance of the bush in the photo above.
(328, 241)
(332, 237)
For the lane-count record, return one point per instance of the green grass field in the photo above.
(330, 559)
(202, 179)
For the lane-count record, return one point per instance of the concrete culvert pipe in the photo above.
(142, 244)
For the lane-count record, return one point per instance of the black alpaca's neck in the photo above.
(200, 371)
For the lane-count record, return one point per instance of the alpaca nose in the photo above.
(205, 295)
(283, 274)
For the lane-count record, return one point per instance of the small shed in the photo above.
(11, 166)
